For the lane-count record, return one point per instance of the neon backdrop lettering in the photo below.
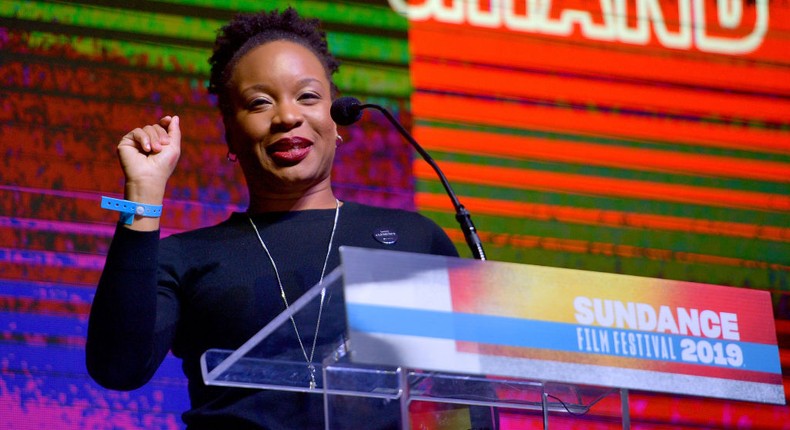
(534, 16)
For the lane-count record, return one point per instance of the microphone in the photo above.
(348, 110)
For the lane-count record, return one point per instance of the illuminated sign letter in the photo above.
(730, 16)
(649, 14)
(519, 22)
(569, 17)
(477, 16)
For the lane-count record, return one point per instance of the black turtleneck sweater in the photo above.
(215, 287)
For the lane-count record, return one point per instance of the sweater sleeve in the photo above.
(132, 320)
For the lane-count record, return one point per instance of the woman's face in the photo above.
(280, 126)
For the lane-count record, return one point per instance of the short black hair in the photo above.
(247, 31)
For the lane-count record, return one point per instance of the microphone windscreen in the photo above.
(346, 110)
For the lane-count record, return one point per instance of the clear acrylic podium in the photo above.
(358, 395)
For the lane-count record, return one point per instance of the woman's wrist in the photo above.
(146, 194)
(146, 216)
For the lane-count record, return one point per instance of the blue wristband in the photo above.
(129, 209)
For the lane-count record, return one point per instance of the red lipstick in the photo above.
(289, 150)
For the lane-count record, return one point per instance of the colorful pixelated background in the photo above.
(579, 135)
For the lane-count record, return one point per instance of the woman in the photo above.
(217, 286)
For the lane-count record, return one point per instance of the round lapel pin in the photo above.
(385, 236)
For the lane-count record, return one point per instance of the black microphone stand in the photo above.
(461, 214)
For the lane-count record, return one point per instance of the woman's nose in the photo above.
(287, 115)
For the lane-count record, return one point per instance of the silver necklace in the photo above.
(308, 358)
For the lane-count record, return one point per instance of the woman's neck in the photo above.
(269, 202)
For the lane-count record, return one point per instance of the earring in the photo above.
(338, 140)
(231, 157)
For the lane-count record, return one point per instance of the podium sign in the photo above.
(553, 324)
